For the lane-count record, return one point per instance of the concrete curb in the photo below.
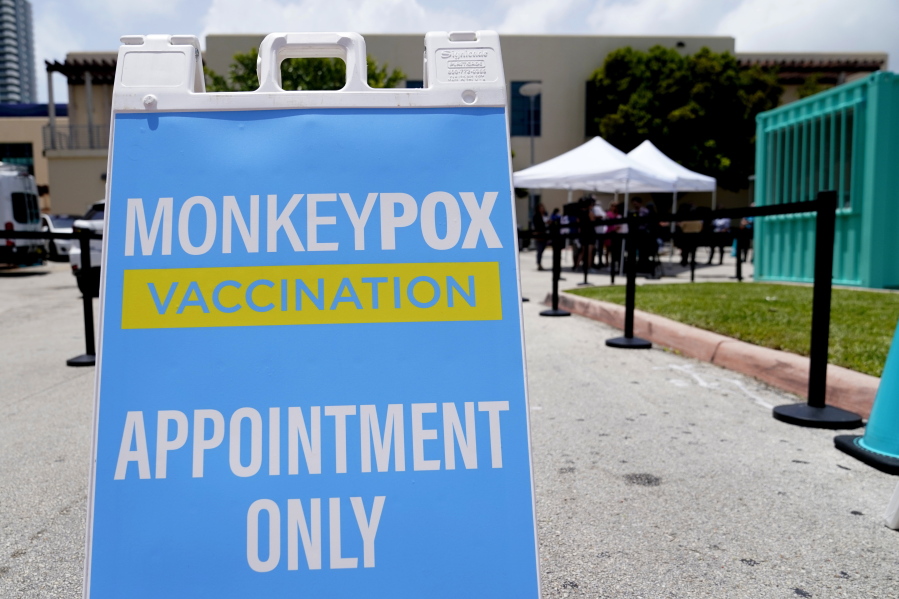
(846, 388)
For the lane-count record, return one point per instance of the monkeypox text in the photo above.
(152, 229)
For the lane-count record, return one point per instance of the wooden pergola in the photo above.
(87, 72)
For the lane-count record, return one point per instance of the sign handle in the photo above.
(278, 46)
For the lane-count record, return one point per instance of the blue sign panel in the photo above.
(312, 376)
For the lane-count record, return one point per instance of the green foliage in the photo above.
(775, 316)
(298, 73)
(812, 85)
(378, 76)
(698, 109)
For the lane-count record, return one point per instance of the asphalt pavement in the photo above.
(656, 475)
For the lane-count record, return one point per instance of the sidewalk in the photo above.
(661, 476)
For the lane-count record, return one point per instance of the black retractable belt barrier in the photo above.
(557, 242)
(629, 341)
(613, 264)
(89, 357)
(815, 413)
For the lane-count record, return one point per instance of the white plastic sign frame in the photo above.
(311, 378)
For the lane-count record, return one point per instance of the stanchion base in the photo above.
(525, 299)
(555, 313)
(629, 343)
(82, 360)
(584, 284)
(830, 417)
(849, 444)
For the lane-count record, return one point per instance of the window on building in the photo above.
(21, 154)
(522, 118)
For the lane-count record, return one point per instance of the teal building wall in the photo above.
(844, 139)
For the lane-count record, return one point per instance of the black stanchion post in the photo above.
(613, 264)
(557, 241)
(693, 259)
(738, 238)
(89, 356)
(629, 341)
(815, 413)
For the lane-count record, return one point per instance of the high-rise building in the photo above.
(17, 76)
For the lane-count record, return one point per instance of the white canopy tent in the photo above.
(650, 157)
(595, 166)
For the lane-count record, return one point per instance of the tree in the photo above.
(698, 109)
(812, 85)
(298, 73)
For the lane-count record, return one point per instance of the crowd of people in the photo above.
(584, 229)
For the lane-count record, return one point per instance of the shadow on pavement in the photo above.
(12, 274)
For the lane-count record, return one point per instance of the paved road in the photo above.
(656, 476)
(45, 429)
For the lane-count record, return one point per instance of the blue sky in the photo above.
(63, 26)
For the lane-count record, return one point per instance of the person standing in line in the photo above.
(688, 231)
(571, 231)
(541, 237)
(745, 234)
(719, 239)
(612, 241)
(588, 230)
(598, 215)
(640, 250)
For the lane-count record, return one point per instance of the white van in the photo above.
(19, 211)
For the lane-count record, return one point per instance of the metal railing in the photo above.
(76, 137)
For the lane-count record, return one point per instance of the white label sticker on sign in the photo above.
(467, 65)
(153, 69)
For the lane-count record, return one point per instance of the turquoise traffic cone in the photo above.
(879, 447)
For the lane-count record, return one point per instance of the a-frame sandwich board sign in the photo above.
(311, 376)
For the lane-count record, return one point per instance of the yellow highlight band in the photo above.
(290, 295)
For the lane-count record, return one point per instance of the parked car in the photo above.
(89, 282)
(58, 249)
(19, 211)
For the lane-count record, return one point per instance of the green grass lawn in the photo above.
(776, 316)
